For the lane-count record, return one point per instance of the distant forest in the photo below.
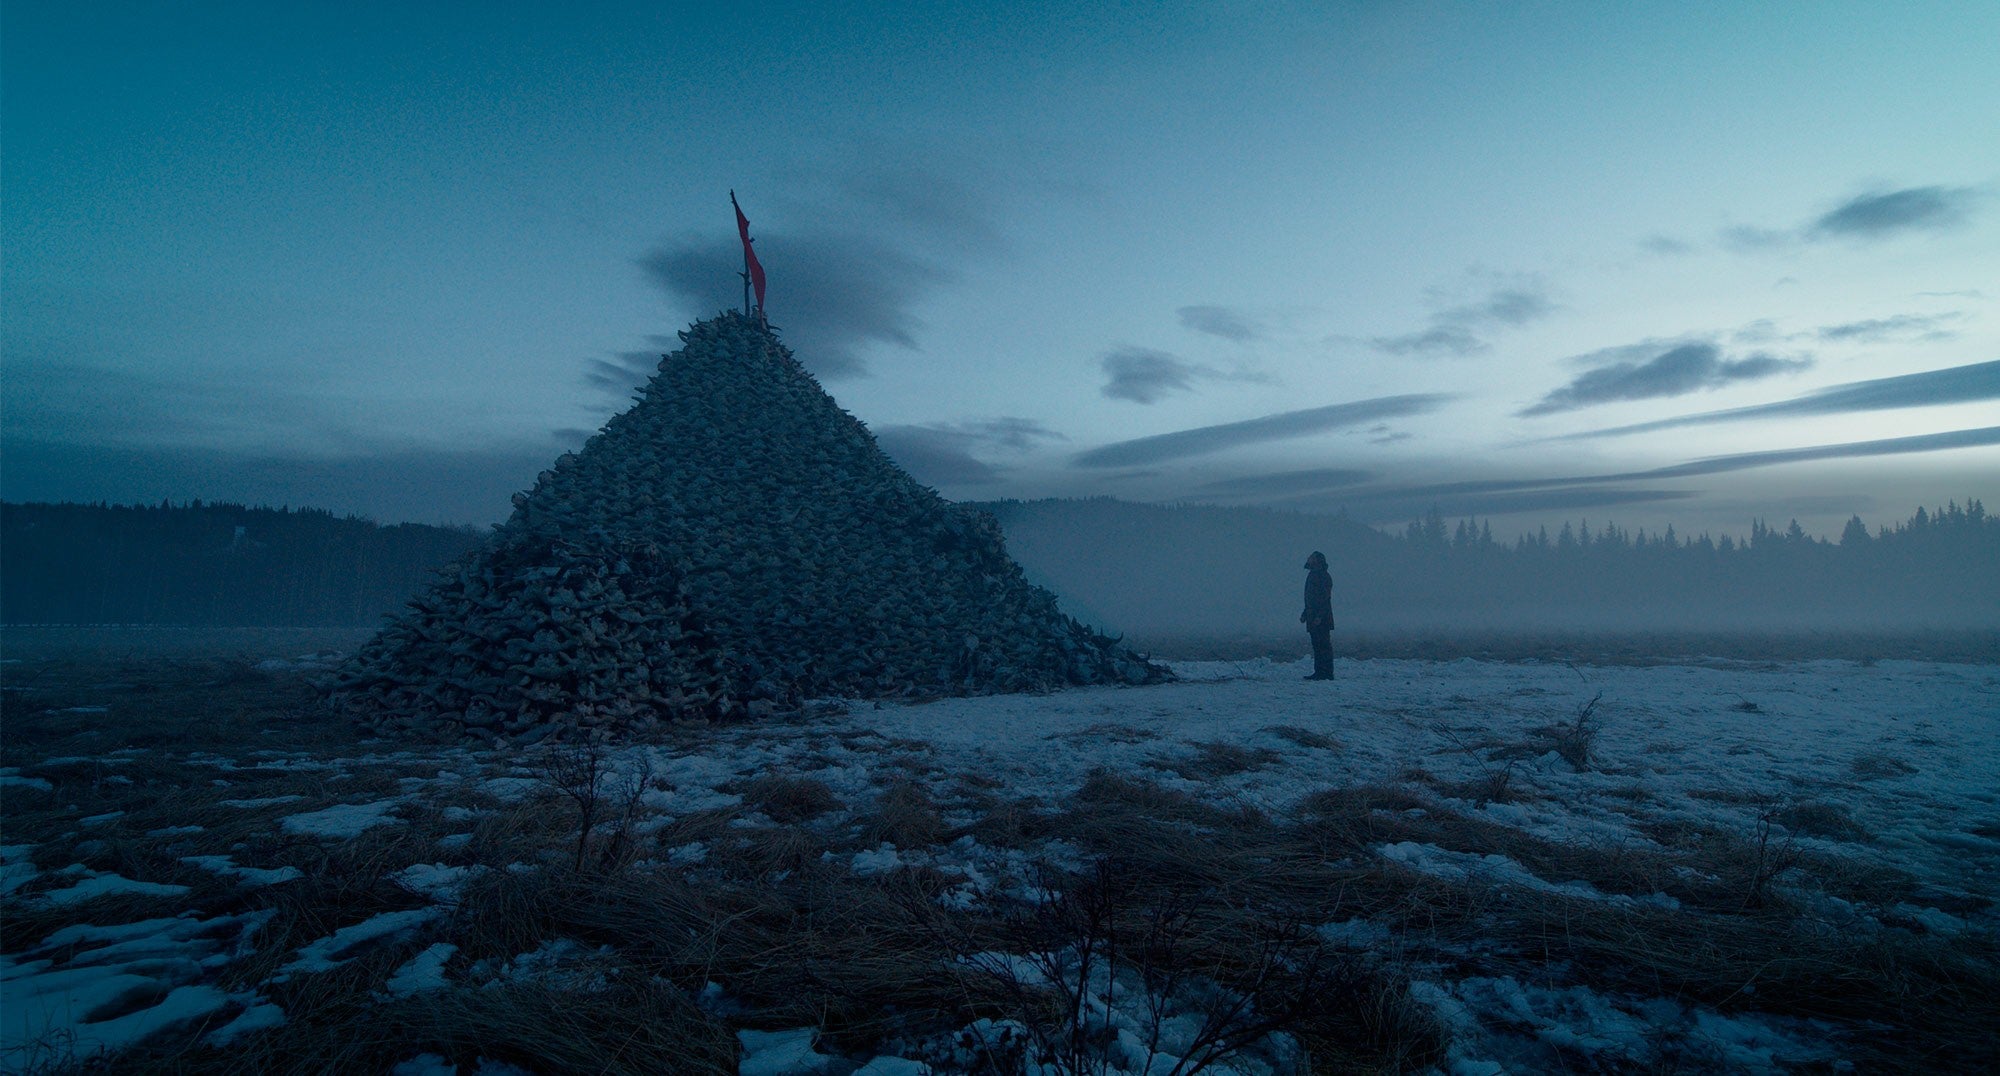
(1191, 571)
(211, 565)
(1150, 570)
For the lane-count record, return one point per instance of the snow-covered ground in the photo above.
(1893, 765)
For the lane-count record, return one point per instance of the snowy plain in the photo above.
(1897, 761)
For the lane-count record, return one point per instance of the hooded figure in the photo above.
(1318, 616)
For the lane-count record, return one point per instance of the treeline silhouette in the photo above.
(1940, 567)
(211, 565)
(1153, 570)
(1194, 570)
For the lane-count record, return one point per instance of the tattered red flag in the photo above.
(750, 263)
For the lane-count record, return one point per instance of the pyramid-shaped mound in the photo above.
(732, 543)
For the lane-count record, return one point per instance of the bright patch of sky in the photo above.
(393, 260)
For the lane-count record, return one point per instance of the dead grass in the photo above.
(1306, 738)
(798, 939)
(1829, 820)
(1212, 760)
(788, 798)
(1875, 765)
(904, 816)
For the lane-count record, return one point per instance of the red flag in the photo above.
(750, 263)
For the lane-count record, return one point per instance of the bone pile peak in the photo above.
(731, 545)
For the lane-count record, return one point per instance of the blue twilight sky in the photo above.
(1536, 261)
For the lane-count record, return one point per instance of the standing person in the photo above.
(1318, 616)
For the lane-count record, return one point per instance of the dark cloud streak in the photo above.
(1453, 331)
(1287, 482)
(1958, 384)
(1143, 375)
(1282, 426)
(1922, 326)
(1867, 217)
(836, 292)
(945, 454)
(1873, 216)
(1220, 321)
(1500, 496)
(1679, 370)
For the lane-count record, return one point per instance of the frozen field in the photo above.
(1461, 866)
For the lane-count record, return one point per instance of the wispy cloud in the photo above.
(1958, 384)
(1878, 214)
(951, 453)
(1503, 495)
(1920, 326)
(1678, 369)
(1891, 446)
(1282, 426)
(1145, 375)
(1884, 213)
(1436, 340)
(1454, 330)
(1221, 321)
(1283, 484)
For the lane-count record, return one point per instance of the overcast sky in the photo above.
(1636, 263)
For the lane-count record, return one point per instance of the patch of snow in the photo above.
(100, 819)
(1496, 869)
(422, 973)
(435, 880)
(559, 962)
(252, 877)
(97, 884)
(425, 1065)
(49, 1012)
(16, 868)
(893, 1066)
(267, 801)
(880, 860)
(176, 831)
(337, 948)
(1354, 933)
(343, 821)
(780, 1053)
(688, 855)
(512, 789)
(15, 780)
(1933, 920)
(261, 1016)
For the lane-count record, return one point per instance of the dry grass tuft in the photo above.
(1305, 737)
(1816, 819)
(788, 799)
(1212, 759)
(1874, 765)
(906, 817)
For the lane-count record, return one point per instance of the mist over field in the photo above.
(1191, 572)
(1192, 578)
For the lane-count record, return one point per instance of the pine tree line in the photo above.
(211, 564)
